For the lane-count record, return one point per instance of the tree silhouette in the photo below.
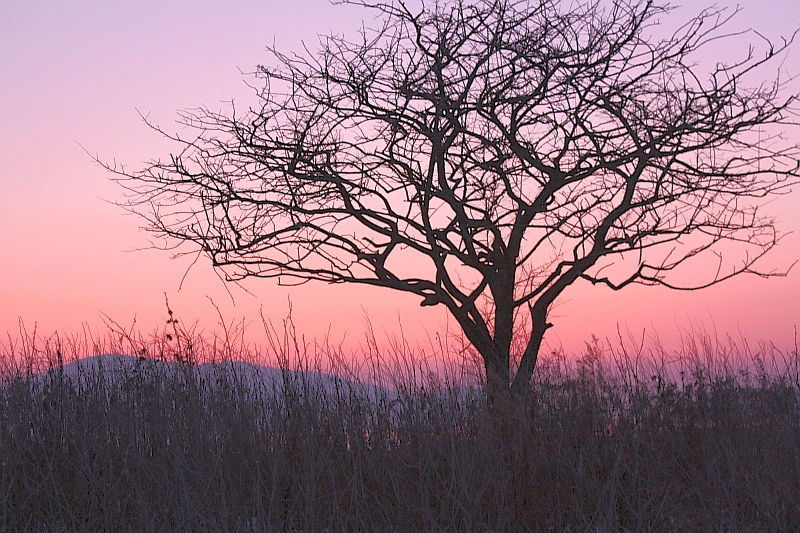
(490, 150)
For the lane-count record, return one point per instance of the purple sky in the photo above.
(75, 74)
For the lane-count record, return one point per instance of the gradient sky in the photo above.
(77, 74)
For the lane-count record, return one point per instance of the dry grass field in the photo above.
(612, 440)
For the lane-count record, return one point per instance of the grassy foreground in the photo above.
(623, 439)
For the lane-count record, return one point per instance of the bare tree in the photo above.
(490, 149)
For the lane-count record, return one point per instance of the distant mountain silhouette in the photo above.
(116, 369)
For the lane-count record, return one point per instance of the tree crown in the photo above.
(489, 149)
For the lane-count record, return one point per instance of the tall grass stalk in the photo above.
(625, 438)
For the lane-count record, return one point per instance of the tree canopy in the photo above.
(486, 155)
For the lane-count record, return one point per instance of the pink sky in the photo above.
(75, 74)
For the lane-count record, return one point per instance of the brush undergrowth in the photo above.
(617, 439)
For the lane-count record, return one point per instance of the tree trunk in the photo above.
(504, 405)
(498, 385)
(527, 365)
(507, 399)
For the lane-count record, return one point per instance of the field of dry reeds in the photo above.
(180, 437)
